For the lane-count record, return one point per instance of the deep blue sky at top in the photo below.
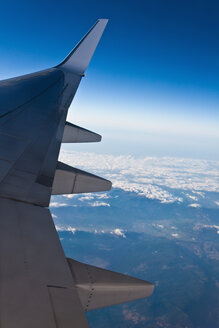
(157, 65)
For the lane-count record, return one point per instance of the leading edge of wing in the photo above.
(79, 58)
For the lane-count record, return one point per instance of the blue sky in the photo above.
(152, 86)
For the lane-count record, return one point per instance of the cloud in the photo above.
(194, 205)
(133, 316)
(54, 216)
(147, 190)
(151, 177)
(90, 200)
(176, 235)
(103, 196)
(118, 232)
(159, 226)
(195, 198)
(97, 203)
(200, 226)
(70, 196)
(57, 204)
(86, 197)
(65, 228)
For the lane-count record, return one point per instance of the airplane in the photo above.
(39, 286)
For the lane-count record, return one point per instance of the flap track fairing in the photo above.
(99, 288)
(76, 134)
(69, 180)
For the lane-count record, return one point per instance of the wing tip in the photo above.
(79, 58)
(103, 20)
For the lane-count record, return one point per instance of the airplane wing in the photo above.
(39, 287)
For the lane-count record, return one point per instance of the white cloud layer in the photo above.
(57, 204)
(65, 228)
(151, 177)
(200, 226)
(97, 203)
(116, 232)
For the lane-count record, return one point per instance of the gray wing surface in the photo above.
(38, 286)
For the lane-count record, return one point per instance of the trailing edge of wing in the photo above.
(99, 288)
(79, 58)
(69, 180)
(75, 134)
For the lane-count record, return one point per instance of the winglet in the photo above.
(79, 58)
